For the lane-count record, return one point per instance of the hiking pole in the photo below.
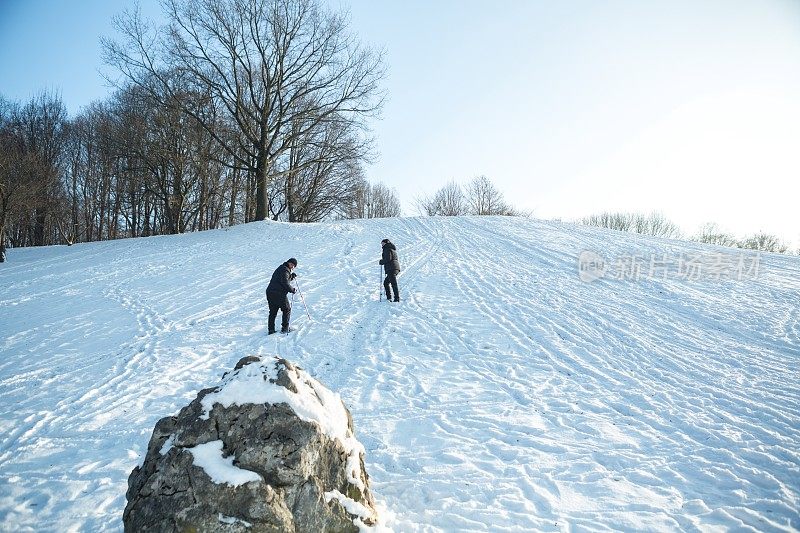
(380, 283)
(302, 299)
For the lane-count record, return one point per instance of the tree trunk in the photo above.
(177, 198)
(261, 187)
(147, 215)
(75, 170)
(234, 191)
(3, 236)
(38, 235)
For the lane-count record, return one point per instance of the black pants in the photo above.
(391, 279)
(278, 301)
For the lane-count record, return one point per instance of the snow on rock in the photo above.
(230, 520)
(307, 397)
(364, 515)
(260, 450)
(352, 506)
(220, 469)
(167, 446)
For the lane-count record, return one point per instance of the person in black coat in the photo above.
(277, 295)
(391, 265)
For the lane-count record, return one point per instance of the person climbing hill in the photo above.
(391, 265)
(277, 290)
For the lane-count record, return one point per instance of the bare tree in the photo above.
(483, 198)
(267, 64)
(33, 140)
(89, 166)
(448, 201)
(16, 170)
(372, 201)
(656, 224)
(41, 125)
(383, 202)
(323, 170)
(426, 205)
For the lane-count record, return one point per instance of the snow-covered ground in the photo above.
(503, 393)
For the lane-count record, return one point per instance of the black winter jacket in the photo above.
(279, 284)
(390, 262)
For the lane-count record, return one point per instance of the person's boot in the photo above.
(287, 329)
(397, 299)
(271, 332)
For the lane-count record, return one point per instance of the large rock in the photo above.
(269, 449)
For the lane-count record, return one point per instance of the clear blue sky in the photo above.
(571, 108)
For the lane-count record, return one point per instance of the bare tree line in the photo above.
(656, 224)
(373, 201)
(265, 75)
(232, 111)
(710, 233)
(478, 197)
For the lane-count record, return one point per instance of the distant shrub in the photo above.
(711, 234)
(617, 221)
(658, 225)
(654, 224)
(764, 242)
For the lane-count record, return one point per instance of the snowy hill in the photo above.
(503, 393)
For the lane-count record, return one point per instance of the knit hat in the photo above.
(384, 241)
(293, 261)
